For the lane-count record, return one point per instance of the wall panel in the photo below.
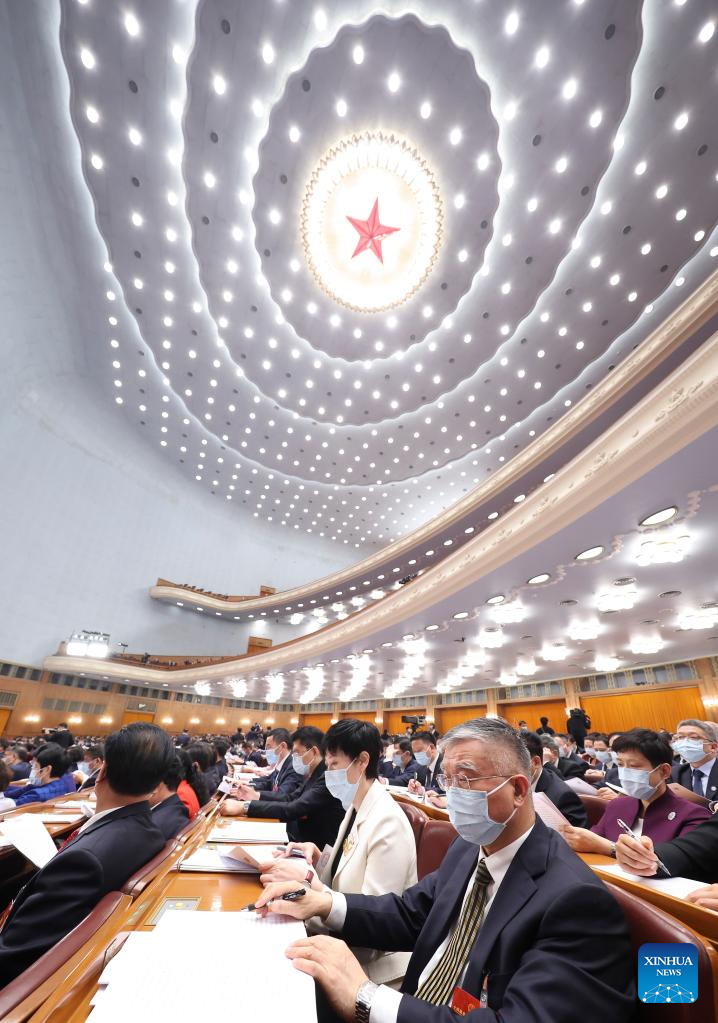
(360, 715)
(531, 711)
(653, 709)
(322, 721)
(392, 718)
(446, 717)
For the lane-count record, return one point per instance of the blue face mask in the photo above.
(634, 782)
(690, 749)
(469, 814)
(614, 757)
(397, 760)
(298, 764)
(423, 759)
(340, 786)
(271, 756)
(32, 777)
(602, 755)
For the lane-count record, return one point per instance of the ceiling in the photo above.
(567, 153)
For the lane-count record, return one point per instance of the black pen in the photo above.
(287, 897)
(622, 824)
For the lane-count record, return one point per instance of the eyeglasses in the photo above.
(461, 781)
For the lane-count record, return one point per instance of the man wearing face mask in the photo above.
(429, 762)
(696, 742)
(405, 764)
(312, 814)
(284, 782)
(92, 761)
(649, 807)
(545, 778)
(500, 924)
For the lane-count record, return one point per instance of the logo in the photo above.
(668, 973)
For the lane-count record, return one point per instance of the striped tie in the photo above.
(439, 985)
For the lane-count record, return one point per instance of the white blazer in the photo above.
(379, 857)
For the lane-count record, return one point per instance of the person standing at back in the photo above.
(99, 857)
(545, 728)
(62, 736)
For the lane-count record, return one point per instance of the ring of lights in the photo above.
(348, 179)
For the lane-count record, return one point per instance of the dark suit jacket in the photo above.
(63, 737)
(20, 770)
(570, 769)
(288, 781)
(683, 774)
(58, 897)
(170, 816)
(562, 796)
(532, 948)
(403, 775)
(314, 815)
(694, 855)
(429, 781)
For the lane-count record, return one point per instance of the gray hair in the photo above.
(707, 727)
(548, 742)
(511, 756)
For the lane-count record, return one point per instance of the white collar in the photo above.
(278, 765)
(96, 817)
(499, 862)
(434, 762)
(705, 768)
(535, 782)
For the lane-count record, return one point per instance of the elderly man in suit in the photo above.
(99, 857)
(696, 742)
(500, 925)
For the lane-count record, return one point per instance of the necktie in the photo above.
(698, 781)
(439, 985)
(73, 834)
(275, 779)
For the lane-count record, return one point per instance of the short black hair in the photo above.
(405, 746)
(136, 758)
(21, 753)
(54, 755)
(96, 751)
(544, 721)
(280, 735)
(5, 776)
(174, 773)
(424, 736)
(221, 745)
(655, 749)
(308, 736)
(353, 737)
(533, 743)
(202, 754)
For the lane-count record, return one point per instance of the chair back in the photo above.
(137, 883)
(31, 979)
(436, 838)
(647, 923)
(594, 806)
(417, 819)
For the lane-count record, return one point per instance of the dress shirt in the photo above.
(431, 772)
(385, 1004)
(704, 770)
(96, 817)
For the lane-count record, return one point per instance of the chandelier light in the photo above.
(667, 548)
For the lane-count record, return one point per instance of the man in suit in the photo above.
(62, 736)
(696, 742)
(429, 759)
(502, 919)
(99, 857)
(565, 768)
(93, 760)
(168, 811)
(405, 765)
(545, 778)
(312, 814)
(283, 778)
(17, 759)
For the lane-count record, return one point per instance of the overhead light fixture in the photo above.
(536, 580)
(704, 617)
(461, 614)
(606, 662)
(583, 630)
(526, 666)
(553, 652)
(646, 644)
(510, 612)
(238, 687)
(202, 688)
(492, 637)
(498, 598)
(617, 598)
(590, 554)
(88, 644)
(660, 517)
(663, 549)
(508, 678)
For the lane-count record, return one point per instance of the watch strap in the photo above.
(362, 1005)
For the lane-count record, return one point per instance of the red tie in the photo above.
(73, 834)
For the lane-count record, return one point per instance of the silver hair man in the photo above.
(510, 754)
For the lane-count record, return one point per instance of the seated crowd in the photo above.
(506, 908)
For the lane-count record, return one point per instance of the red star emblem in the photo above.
(371, 232)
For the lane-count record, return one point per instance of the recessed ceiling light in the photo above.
(681, 121)
(341, 108)
(498, 598)
(542, 57)
(536, 579)
(268, 53)
(590, 554)
(595, 118)
(87, 58)
(461, 614)
(455, 135)
(134, 136)
(132, 25)
(570, 88)
(393, 82)
(92, 115)
(358, 54)
(425, 110)
(97, 161)
(561, 164)
(512, 23)
(656, 518)
(431, 628)
(219, 85)
(706, 32)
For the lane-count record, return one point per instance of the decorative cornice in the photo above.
(678, 411)
(698, 308)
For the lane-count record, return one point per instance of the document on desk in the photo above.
(679, 887)
(548, 812)
(30, 837)
(148, 980)
(216, 862)
(249, 833)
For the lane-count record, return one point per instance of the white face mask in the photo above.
(635, 782)
(340, 787)
(469, 813)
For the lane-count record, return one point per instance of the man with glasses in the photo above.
(696, 742)
(500, 925)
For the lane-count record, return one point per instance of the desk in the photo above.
(434, 812)
(70, 1002)
(59, 830)
(704, 921)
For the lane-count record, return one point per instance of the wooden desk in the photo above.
(70, 1002)
(434, 812)
(704, 921)
(59, 830)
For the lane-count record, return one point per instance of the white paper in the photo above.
(149, 981)
(248, 832)
(30, 837)
(676, 886)
(58, 818)
(548, 812)
(215, 862)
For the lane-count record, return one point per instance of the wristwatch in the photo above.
(246, 805)
(612, 850)
(309, 877)
(362, 1006)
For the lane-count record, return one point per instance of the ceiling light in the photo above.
(498, 598)
(219, 85)
(553, 652)
(662, 549)
(393, 82)
(555, 226)
(617, 598)
(646, 644)
(509, 613)
(681, 214)
(425, 110)
(661, 191)
(512, 23)
(542, 57)
(97, 161)
(606, 207)
(132, 25)
(582, 630)
(640, 168)
(561, 164)
(137, 219)
(681, 121)
(595, 118)
(492, 637)
(341, 108)
(508, 678)
(706, 32)
(134, 136)
(535, 580)
(320, 19)
(659, 517)
(461, 614)
(358, 54)
(532, 204)
(645, 248)
(590, 554)
(605, 662)
(92, 115)
(570, 88)
(455, 135)
(268, 53)
(526, 666)
(87, 58)
(482, 161)
(294, 133)
(701, 618)
(209, 179)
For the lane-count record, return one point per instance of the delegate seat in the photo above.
(436, 838)
(648, 924)
(417, 820)
(137, 883)
(594, 806)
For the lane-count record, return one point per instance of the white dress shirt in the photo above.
(705, 770)
(385, 1003)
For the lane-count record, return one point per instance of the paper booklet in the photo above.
(237, 859)
(548, 812)
(676, 886)
(249, 833)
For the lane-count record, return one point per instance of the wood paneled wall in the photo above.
(654, 709)
(360, 715)
(322, 721)
(392, 718)
(531, 711)
(446, 717)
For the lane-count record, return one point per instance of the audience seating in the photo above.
(649, 924)
(594, 807)
(136, 884)
(436, 838)
(417, 819)
(29, 985)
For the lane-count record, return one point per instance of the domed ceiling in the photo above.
(355, 259)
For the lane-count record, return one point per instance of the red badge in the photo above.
(462, 1002)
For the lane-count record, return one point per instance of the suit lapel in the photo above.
(375, 793)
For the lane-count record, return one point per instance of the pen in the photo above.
(625, 827)
(287, 897)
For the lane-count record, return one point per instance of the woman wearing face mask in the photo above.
(375, 850)
(49, 777)
(649, 807)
